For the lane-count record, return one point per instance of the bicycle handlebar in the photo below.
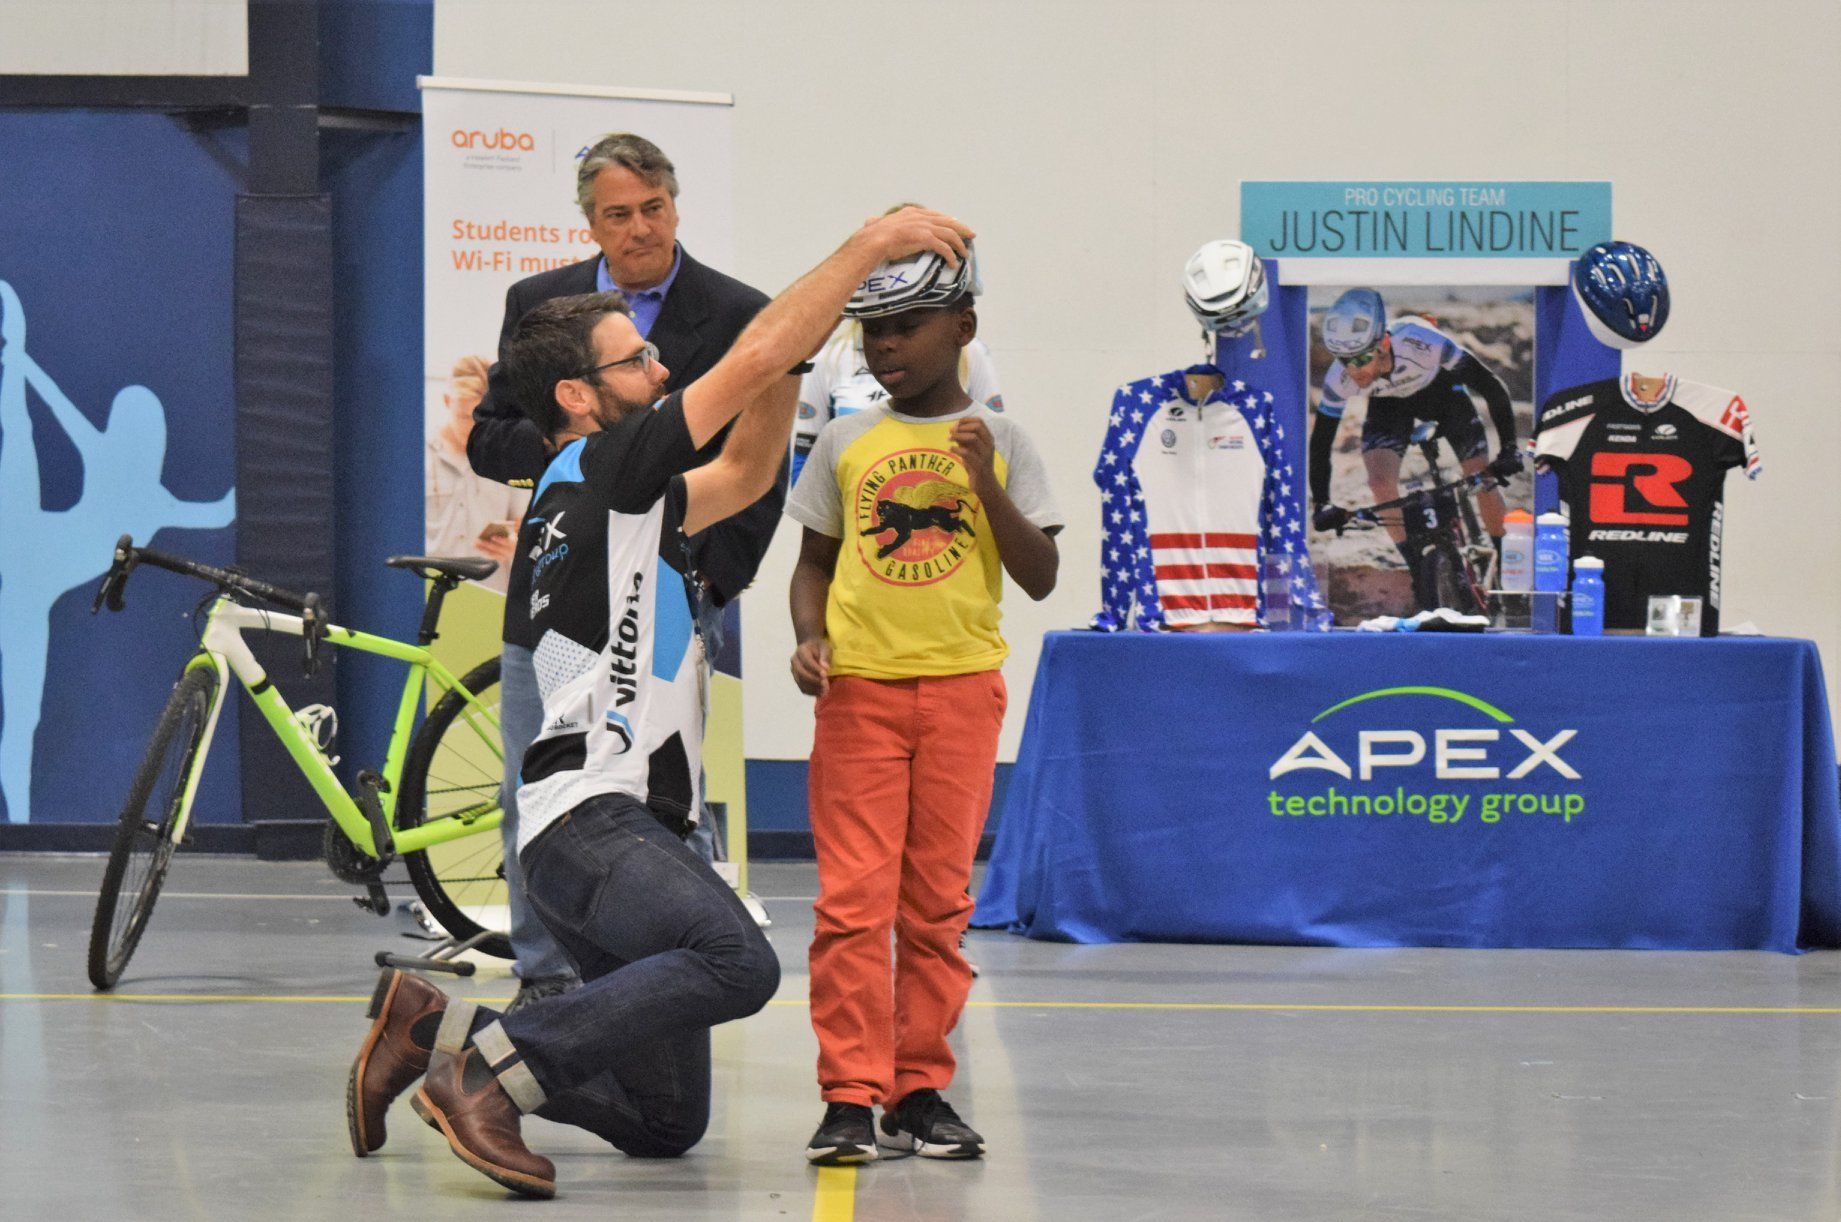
(129, 557)
(1481, 481)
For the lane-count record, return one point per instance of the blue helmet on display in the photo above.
(1356, 323)
(1622, 292)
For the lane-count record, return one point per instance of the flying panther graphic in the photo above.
(937, 504)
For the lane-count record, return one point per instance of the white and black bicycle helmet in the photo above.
(917, 282)
(1225, 285)
(1356, 323)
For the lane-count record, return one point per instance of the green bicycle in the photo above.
(433, 803)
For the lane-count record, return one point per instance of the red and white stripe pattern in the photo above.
(1201, 576)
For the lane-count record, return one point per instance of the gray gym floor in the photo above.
(1112, 1082)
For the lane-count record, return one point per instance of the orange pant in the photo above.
(900, 781)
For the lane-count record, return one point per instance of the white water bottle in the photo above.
(1518, 552)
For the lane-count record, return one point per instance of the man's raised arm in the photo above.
(796, 322)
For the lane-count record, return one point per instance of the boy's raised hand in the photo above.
(812, 666)
(973, 445)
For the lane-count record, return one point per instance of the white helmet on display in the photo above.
(1225, 285)
(1356, 323)
(915, 283)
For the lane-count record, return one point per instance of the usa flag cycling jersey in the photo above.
(1194, 496)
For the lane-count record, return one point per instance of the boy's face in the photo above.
(911, 353)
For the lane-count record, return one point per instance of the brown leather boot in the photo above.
(389, 1061)
(482, 1127)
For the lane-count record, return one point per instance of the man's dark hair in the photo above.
(552, 343)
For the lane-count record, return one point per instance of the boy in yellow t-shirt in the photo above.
(913, 510)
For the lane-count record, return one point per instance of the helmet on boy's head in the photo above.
(1622, 293)
(915, 283)
(1356, 323)
(1225, 286)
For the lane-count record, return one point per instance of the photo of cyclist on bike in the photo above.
(1416, 385)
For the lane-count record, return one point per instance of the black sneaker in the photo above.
(847, 1135)
(532, 992)
(927, 1125)
(975, 972)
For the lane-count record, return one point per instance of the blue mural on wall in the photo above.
(117, 416)
(47, 553)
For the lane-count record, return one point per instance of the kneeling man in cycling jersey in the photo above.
(664, 947)
(1411, 373)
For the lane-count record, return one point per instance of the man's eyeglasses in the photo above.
(639, 360)
(1367, 358)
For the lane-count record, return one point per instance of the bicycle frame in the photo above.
(225, 651)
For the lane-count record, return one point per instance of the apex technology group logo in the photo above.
(1481, 756)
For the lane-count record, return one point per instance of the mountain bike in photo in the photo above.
(1457, 563)
(434, 802)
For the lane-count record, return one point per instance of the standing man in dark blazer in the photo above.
(627, 188)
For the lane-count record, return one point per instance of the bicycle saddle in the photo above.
(464, 568)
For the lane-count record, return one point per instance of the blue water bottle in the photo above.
(1588, 596)
(1549, 571)
(1550, 553)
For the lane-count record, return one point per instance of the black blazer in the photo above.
(703, 313)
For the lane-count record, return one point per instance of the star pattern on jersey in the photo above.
(1127, 580)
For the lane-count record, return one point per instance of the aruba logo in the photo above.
(523, 142)
(1457, 754)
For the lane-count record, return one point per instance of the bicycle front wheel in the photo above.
(455, 766)
(1447, 580)
(144, 835)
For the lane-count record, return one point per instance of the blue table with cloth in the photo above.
(1355, 789)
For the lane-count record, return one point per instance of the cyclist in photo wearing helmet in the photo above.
(914, 510)
(1410, 372)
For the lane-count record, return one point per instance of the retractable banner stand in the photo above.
(499, 174)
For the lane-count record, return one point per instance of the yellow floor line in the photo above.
(836, 1198)
(1218, 1006)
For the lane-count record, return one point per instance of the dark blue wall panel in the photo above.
(119, 252)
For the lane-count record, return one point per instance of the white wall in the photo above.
(1107, 140)
(124, 37)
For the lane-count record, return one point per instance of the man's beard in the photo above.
(611, 408)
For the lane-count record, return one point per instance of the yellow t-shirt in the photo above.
(918, 576)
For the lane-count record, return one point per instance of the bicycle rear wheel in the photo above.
(144, 841)
(456, 764)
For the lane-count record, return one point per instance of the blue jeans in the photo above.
(666, 952)
(520, 717)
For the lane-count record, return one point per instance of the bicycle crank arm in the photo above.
(374, 900)
(370, 784)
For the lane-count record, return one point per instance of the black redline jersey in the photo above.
(1644, 484)
(618, 658)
